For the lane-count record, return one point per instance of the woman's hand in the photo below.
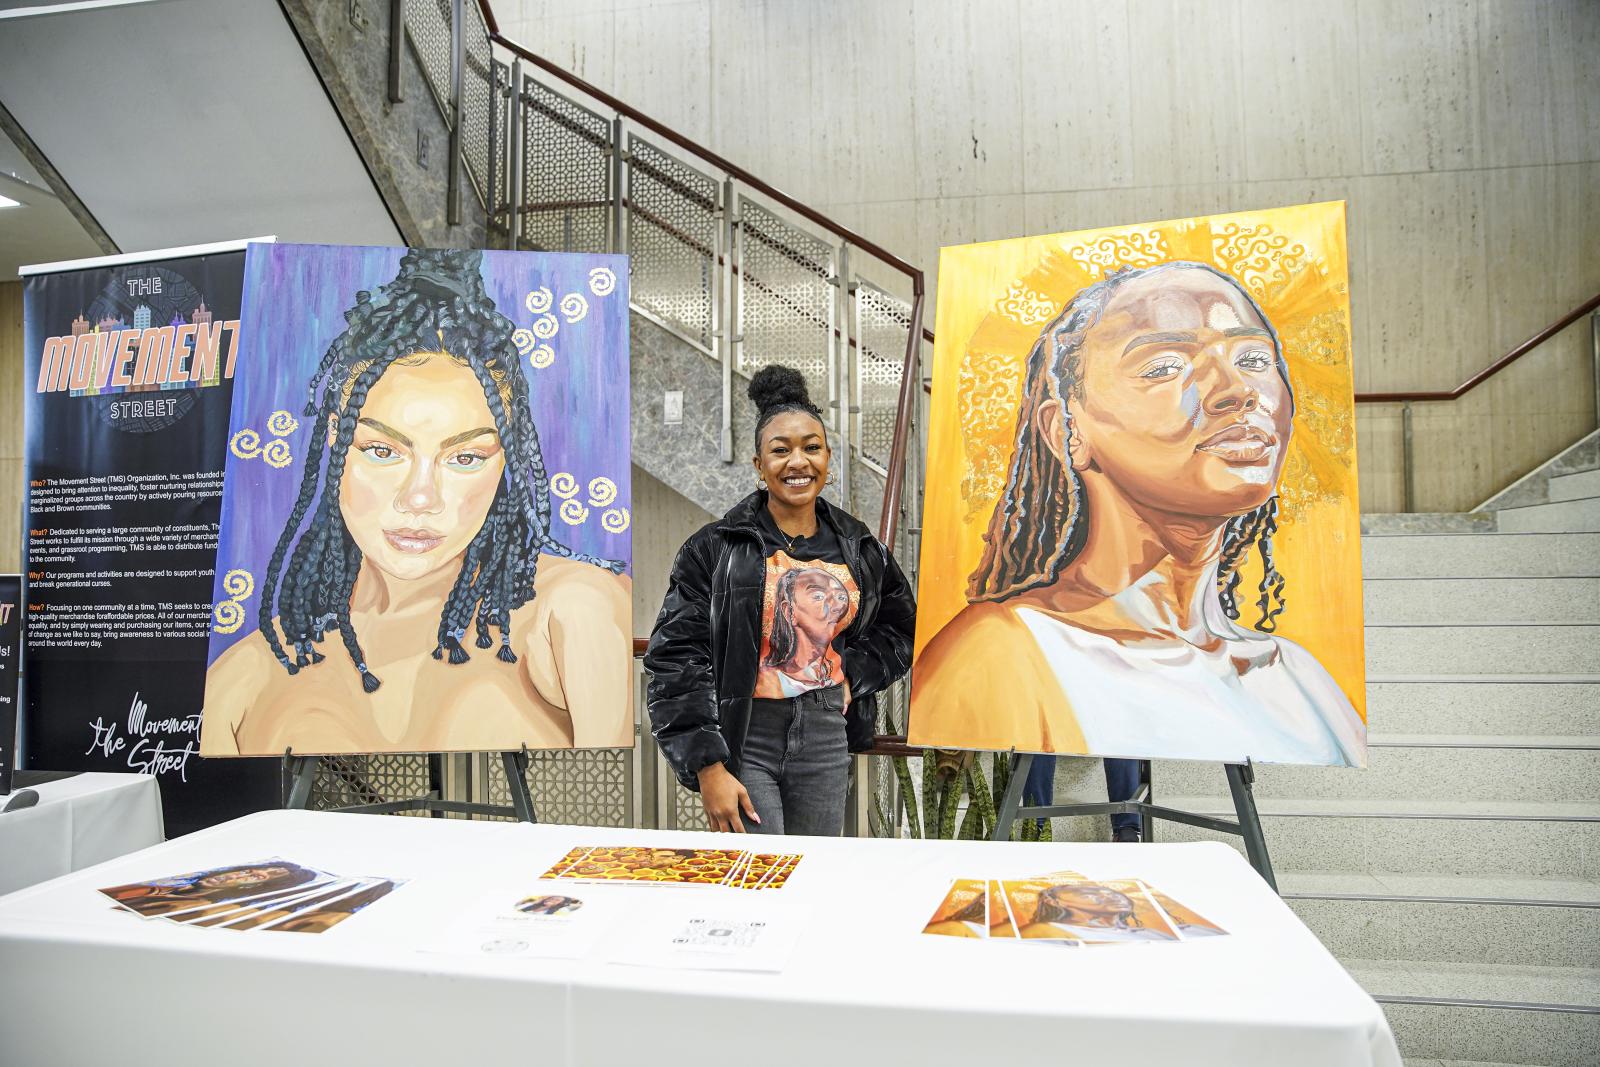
(724, 798)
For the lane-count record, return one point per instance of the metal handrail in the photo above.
(1588, 306)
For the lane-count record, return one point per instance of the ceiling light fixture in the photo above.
(6, 201)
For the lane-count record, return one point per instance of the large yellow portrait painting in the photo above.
(1140, 529)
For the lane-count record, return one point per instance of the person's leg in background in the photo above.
(1122, 782)
(1039, 790)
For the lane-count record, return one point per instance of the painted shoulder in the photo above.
(983, 683)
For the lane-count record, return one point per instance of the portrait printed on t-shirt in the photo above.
(806, 604)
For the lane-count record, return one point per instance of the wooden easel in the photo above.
(1240, 778)
(302, 772)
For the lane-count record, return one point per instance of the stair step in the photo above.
(1514, 839)
(1485, 555)
(1481, 600)
(1487, 1012)
(1445, 919)
(1418, 768)
(1394, 523)
(1484, 704)
(1512, 649)
(1567, 516)
(1582, 486)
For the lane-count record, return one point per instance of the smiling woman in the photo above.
(424, 514)
(1153, 429)
(781, 624)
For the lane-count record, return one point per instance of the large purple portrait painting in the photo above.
(425, 533)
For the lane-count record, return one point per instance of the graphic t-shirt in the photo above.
(808, 600)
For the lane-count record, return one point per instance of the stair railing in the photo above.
(733, 266)
(1590, 307)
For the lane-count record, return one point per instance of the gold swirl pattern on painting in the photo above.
(564, 485)
(1027, 306)
(574, 307)
(602, 280)
(246, 444)
(615, 520)
(539, 301)
(573, 513)
(545, 327)
(1262, 259)
(282, 424)
(541, 356)
(1135, 248)
(277, 453)
(238, 584)
(602, 492)
(229, 617)
(987, 396)
(523, 338)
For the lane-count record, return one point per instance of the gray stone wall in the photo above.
(348, 44)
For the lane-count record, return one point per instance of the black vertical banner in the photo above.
(10, 662)
(128, 375)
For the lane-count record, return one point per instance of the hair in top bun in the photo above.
(775, 389)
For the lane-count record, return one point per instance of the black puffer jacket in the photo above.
(707, 640)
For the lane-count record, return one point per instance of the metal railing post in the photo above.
(618, 200)
(840, 342)
(497, 108)
(1594, 344)
(458, 45)
(1408, 472)
(397, 45)
(515, 127)
(733, 339)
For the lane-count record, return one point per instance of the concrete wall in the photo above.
(662, 521)
(1465, 135)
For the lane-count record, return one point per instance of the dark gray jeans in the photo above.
(796, 764)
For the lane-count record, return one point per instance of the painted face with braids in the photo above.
(422, 527)
(1156, 416)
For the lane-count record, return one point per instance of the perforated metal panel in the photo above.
(477, 99)
(500, 145)
(786, 299)
(566, 174)
(342, 781)
(687, 810)
(672, 237)
(882, 324)
(586, 787)
(428, 26)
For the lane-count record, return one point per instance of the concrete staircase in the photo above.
(1458, 877)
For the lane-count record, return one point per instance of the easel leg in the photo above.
(1147, 824)
(516, 766)
(1240, 777)
(1021, 762)
(304, 772)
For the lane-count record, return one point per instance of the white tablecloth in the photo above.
(862, 985)
(78, 822)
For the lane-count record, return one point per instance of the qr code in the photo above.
(718, 935)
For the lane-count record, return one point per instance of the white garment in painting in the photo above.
(1172, 700)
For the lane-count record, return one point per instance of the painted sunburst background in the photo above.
(995, 297)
